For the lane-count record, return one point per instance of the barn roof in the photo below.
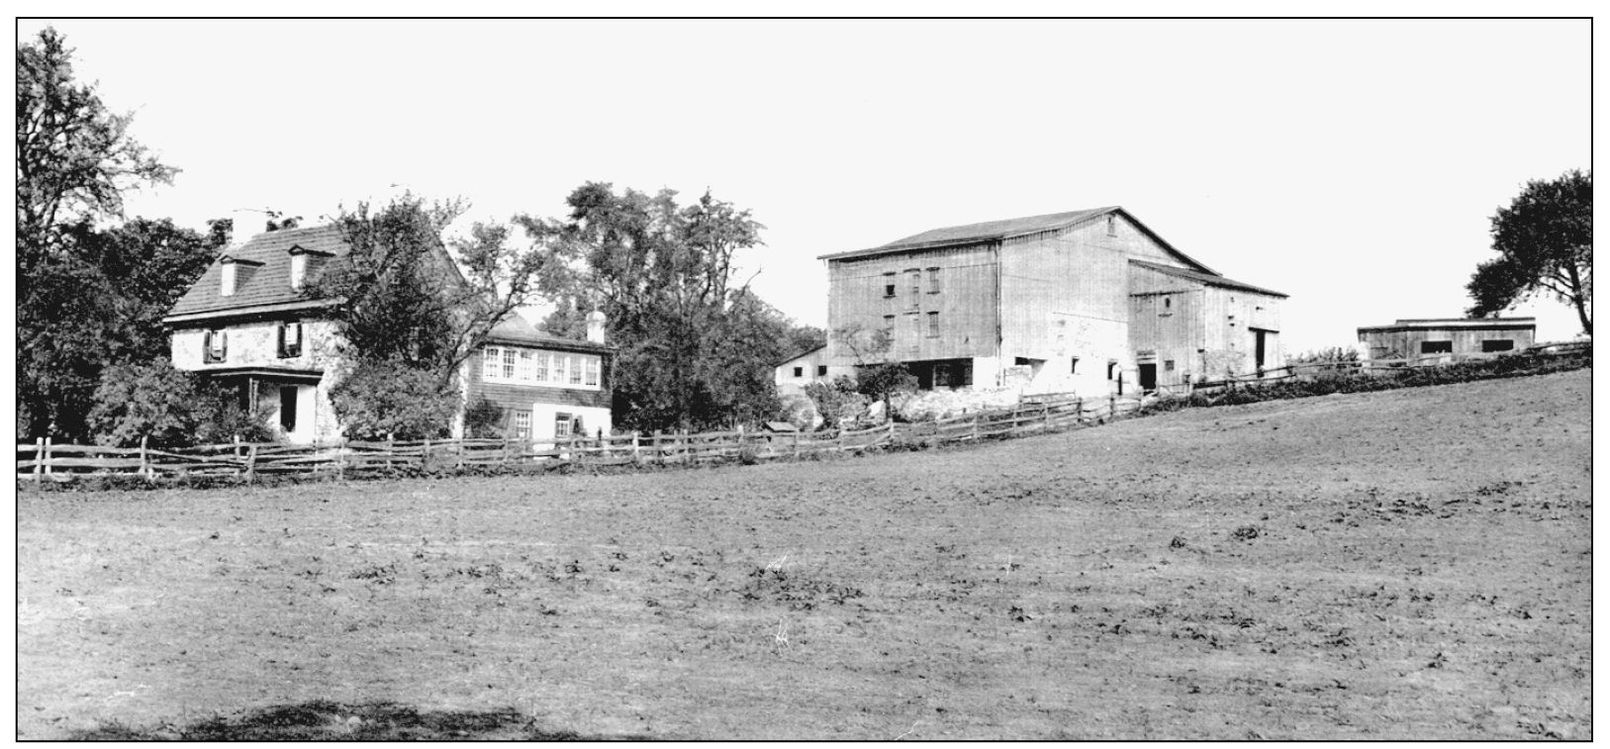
(1211, 279)
(994, 231)
(1455, 323)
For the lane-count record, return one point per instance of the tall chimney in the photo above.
(595, 326)
(248, 223)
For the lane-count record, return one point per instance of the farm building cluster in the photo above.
(1090, 302)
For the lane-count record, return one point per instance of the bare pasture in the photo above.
(1412, 564)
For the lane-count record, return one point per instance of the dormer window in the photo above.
(235, 271)
(302, 263)
(290, 339)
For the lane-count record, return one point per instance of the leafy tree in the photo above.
(169, 407)
(406, 309)
(74, 313)
(877, 374)
(692, 345)
(483, 419)
(1545, 244)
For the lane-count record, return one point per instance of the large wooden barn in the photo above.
(1086, 301)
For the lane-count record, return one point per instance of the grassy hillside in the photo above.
(1407, 564)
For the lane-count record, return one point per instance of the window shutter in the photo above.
(281, 335)
(223, 346)
(206, 346)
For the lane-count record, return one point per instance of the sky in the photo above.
(1352, 164)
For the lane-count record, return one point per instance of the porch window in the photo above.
(290, 339)
(215, 346)
(522, 424)
(491, 357)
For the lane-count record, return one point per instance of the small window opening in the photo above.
(1497, 345)
(1436, 347)
(821, 370)
(799, 371)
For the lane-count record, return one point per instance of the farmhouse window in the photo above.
(490, 356)
(508, 364)
(933, 280)
(1112, 369)
(561, 425)
(522, 424)
(215, 346)
(522, 366)
(1436, 347)
(592, 366)
(821, 370)
(799, 371)
(888, 285)
(290, 340)
(1502, 344)
(1073, 367)
(542, 366)
(933, 324)
(575, 370)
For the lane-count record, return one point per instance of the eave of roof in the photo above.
(1498, 323)
(259, 311)
(986, 232)
(1211, 279)
(800, 355)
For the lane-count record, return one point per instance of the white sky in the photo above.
(1351, 164)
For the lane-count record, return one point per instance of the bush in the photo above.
(483, 419)
(390, 397)
(151, 400)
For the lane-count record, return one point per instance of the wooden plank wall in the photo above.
(966, 303)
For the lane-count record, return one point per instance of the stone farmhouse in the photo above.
(1088, 301)
(246, 322)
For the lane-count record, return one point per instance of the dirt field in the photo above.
(1403, 565)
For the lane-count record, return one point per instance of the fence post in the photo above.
(424, 456)
(47, 457)
(145, 460)
(341, 460)
(637, 452)
(391, 440)
(39, 460)
(891, 432)
(1112, 406)
(687, 448)
(975, 426)
(796, 445)
(251, 464)
(458, 464)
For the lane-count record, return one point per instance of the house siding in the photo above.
(966, 303)
(545, 403)
(256, 344)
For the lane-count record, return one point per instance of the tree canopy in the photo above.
(1544, 239)
(696, 348)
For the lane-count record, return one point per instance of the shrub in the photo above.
(483, 419)
(390, 397)
(150, 400)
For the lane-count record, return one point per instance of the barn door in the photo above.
(1148, 376)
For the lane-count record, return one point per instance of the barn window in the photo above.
(915, 277)
(1167, 303)
(1168, 365)
(933, 324)
(1112, 225)
(888, 285)
(1112, 369)
(1436, 347)
(799, 371)
(1503, 344)
(821, 370)
(1073, 368)
(888, 325)
(933, 280)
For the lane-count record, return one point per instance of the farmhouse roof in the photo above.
(515, 330)
(1211, 279)
(269, 284)
(994, 231)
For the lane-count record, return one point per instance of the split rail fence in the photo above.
(44, 461)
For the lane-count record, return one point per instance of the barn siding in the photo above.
(966, 303)
(1406, 343)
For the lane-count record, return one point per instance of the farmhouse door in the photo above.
(1261, 345)
(1148, 376)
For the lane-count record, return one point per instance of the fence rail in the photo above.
(45, 461)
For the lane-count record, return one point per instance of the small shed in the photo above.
(1448, 338)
